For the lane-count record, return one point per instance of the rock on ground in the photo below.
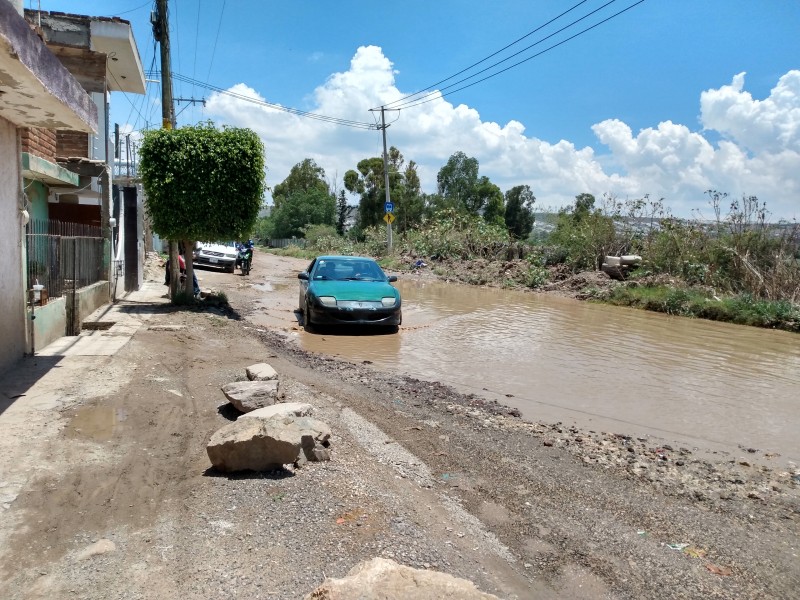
(261, 372)
(293, 409)
(384, 579)
(247, 396)
(265, 445)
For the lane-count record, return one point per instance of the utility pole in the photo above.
(388, 206)
(161, 33)
(192, 100)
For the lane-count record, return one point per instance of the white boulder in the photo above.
(247, 396)
(292, 409)
(384, 579)
(267, 444)
(261, 372)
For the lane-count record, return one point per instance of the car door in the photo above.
(304, 284)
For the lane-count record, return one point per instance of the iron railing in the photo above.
(64, 257)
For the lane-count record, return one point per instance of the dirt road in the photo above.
(106, 489)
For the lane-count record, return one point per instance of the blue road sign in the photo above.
(388, 207)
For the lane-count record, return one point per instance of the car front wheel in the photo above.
(307, 325)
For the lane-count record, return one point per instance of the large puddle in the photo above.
(95, 423)
(601, 367)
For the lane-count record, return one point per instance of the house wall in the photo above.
(37, 200)
(50, 323)
(72, 144)
(12, 295)
(99, 143)
(40, 142)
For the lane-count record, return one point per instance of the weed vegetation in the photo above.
(733, 266)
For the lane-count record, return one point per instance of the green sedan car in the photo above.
(348, 290)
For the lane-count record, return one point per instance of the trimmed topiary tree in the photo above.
(201, 183)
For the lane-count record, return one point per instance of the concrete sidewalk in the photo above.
(110, 327)
(35, 392)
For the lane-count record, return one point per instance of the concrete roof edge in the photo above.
(31, 52)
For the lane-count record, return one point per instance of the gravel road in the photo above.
(107, 491)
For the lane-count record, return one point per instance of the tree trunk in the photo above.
(174, 269)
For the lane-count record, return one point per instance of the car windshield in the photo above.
(348, 270)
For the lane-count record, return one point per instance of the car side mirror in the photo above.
(303, 276)
(392, 278)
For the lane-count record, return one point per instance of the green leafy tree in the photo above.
(461, 188)
(408, 199)
(584, 205)
(456, 182)
(489, 197)
(519, 217)
(201, 183)
(341, 213)
(301, 209)
(367, 181)
(304, 177)
(586, 233)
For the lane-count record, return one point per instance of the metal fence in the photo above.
(64, 257)
(285, 242)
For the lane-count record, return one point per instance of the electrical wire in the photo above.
(196, 41)
(586, 16)
(134, 9)
(176, 45)
(294, 111)
(216, 39)
(114, 77)
(438, 94)
(144, 97)
(491, 55)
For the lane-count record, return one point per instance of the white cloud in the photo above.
(759, 154)
(769, 125)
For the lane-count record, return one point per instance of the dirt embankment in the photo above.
(420, 473)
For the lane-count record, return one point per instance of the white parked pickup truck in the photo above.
(216, 255)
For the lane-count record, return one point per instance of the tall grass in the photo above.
(742, 309)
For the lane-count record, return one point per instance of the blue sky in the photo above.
(668, 99)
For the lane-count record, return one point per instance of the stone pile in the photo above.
(269, 433)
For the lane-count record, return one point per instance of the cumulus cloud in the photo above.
(759, 153)
(770, 125)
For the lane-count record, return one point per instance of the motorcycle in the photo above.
(245, 259)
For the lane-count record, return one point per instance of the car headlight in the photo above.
(389, 301)
(327, 301)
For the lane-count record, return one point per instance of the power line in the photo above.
(216, 39)
(491, 55)
(196, 41)
(144, 96)
(294, 111)
(438, 94)
(134, 9)
(565, 27)
(133, 106)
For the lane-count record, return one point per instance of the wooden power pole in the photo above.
(161, 34)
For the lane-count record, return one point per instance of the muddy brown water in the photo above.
(710, 385)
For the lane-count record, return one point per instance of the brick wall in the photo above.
(72, 144)
(39, 142)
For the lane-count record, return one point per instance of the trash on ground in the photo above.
(694, 552)
(724, 571)
(677, 546)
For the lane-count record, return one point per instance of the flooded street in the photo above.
(606, 368)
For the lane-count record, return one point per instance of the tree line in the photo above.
(306, 198)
